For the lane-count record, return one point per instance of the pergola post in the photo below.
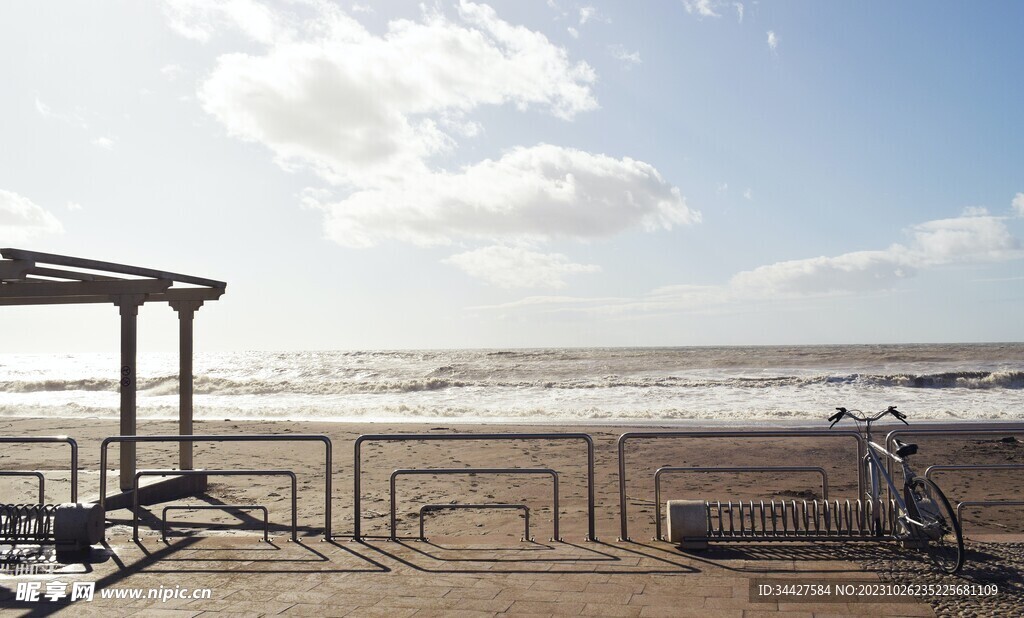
(186, 312)
(34, 278)
(129, 306)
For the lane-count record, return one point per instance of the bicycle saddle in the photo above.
(903, 449)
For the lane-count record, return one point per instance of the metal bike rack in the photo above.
(142, 473)
(800, 521)
(27, 523)
(472, 471)
(426, 508)
(228, 438)
(38, 475)
(357, 472)
(977, 503)
(678, 470)
(47, 440)
(645, 435)
(69, 527)
(216, 507)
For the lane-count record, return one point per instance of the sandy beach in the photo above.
(836, 455)
(504, 529)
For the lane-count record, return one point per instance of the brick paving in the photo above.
(459, 577)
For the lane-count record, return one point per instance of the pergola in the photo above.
(32, 278)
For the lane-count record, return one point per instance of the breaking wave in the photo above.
(205, 385)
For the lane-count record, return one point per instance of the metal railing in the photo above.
(216, 507)
(427, 508)
(52, 439)
(142, 473)
(926, 433)
(895, 433)
(961, 506)
(472, 471)
(38, 475)
(229, 438)
(968, 467)
(357, 472)
(645, 435)
(678, 470)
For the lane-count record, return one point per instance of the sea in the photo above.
(762, 385)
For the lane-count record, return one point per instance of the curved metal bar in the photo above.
(960, 507)
(449, 507)
(142, 473)
(357, 472)
(38, 475)
(215, 507)
(52, 439)
(295, 437)
(967, 467)
(469, 471)
(677, 469)
(892, 435)
(930, 470)
(650, 435)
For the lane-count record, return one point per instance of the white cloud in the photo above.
(516, 267)
(48, 112)
(537, 193)
(748, 194)
(933, 244)
(573, 32)
(73, 206)
(773, 40)
(703, 8)
(172, 71)
(1018, 204)
(628, 58)
(361, 8)
(589, 13)
(360, 108)
(739, 11)
(21, 220)
(105, 143)
(201, 19)
(370, 112)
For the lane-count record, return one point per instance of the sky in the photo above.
(453, 174)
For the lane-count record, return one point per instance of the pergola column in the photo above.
(186, 312)
(129, 306)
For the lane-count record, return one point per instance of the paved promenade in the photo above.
(453, 577)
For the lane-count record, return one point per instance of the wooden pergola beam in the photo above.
(165, 296)
(124, 269)
(14, 269)
(58, 273)
(30, 289)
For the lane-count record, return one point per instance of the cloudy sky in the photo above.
(460, 174)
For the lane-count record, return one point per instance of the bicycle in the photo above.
(926, 519)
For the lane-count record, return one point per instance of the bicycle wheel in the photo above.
(944, 541)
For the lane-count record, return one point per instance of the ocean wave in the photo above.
(442, 379)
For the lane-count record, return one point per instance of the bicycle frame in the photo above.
(873, 469)
(920, 501)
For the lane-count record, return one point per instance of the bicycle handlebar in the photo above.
(843, 412)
